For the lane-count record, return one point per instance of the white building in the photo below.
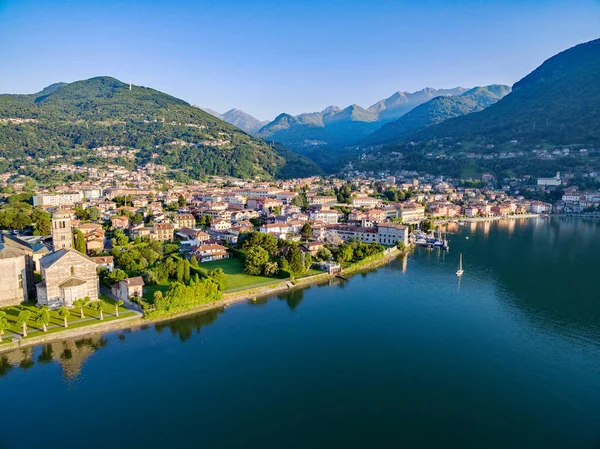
(392, 233)
(58, 199)
(550, 181)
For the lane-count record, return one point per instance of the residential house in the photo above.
(185, 221)
(104, 262)
(209, 252)
(163, 232)
(128, 288)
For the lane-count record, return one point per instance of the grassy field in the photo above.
(235, 278)
(56, 322)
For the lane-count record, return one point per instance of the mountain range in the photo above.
(437, 110)
(71, 120)
(558, 103)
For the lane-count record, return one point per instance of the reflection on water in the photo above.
(184, 328)
(69, 354)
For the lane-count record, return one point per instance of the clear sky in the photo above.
(272, 56)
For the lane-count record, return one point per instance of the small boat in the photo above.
(467, 237)
(460, 268)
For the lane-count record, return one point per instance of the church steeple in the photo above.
(62, 234)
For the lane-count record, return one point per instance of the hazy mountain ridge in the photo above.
(437, 110)
(239, 118)
(335, 128)
(400, 102)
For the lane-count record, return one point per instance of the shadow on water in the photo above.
(185, 327)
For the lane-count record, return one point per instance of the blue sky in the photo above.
(267, 56)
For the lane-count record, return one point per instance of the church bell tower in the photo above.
(62, 234)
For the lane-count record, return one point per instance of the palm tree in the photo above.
(80, 303)
(118, 304)
(24, 315)
(3, 323)
(42, 318)
(64, 313)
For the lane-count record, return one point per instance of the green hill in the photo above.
(437, 110)
(72, 119)
(557, 103)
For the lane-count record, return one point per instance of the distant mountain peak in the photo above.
(243, 120)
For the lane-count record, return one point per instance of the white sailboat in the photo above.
(460, 268)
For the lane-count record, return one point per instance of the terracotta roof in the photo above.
(134, 282)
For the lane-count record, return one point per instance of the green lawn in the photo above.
(33, 329)
(312, 272)
(235, 278)
(149, 291)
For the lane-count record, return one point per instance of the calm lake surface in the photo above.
(403, 356)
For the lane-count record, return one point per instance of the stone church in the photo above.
(67, 275)
(16, 271)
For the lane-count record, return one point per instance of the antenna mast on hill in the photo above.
(129, 84)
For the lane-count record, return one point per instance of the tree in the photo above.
(180, 271)
(277, 210)
(100, 306)
(427, 225)
(181, 200)
(296, 260)
(158, 296)
(3, 323)
(251, 239)
(42, 318)
(345, 253)
(307, 231)
(79, 240)
(324, 254)
(118, 304)
(137, 218)
(186, 270)
(218, 275)
(94, 213)
(24, 315)
(64, 313)
(194, 262)
(42, 221)
(256, 258)
(80, 303)
(301, 200)
(271, 269)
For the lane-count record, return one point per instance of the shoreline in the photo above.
(229, 299)
(482, 219)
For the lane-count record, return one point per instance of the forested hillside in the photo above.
(74, 119)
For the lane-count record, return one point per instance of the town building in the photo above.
(185, 221)
(14, 278)
(62, 234)
(163, 232)
(209, 252)
(128, 288)
(67, 275)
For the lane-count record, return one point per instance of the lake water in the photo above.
(403, 356)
